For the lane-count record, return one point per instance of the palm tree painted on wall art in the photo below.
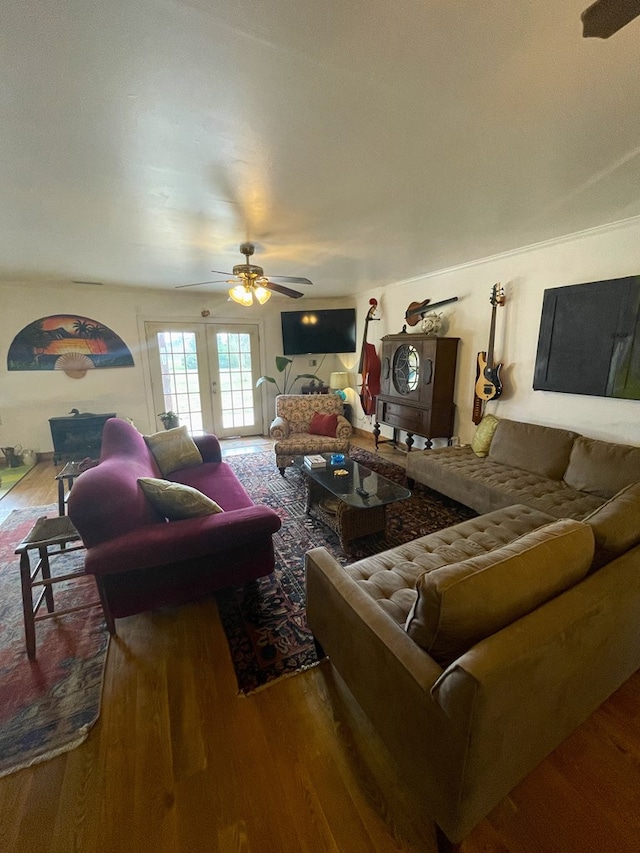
(67, 342)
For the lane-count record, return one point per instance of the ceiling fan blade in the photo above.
(278, 288)
(605, 17)
(292, 279)
(222, 272)
(198, 283)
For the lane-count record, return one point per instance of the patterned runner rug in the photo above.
(48, 705)
(265, 623)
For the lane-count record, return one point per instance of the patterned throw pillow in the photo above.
(176, 501)
(173, 449)
(481, 441)
(323, 425)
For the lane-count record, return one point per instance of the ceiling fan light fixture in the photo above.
(262, 294)
(242, 295)
(250, 281)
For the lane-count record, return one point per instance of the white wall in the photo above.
(29, 398)
(603, 253)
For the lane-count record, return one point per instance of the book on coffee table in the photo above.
(315, 461)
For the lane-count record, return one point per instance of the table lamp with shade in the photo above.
(338, 381)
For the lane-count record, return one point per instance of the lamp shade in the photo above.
(262, 294)
(241, 294)
(339, 379)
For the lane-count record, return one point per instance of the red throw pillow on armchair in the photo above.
(323, 424)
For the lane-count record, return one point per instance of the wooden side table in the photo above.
(49, 537)
(313, 388)
(65, 477)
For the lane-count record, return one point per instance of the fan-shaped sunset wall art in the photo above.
(67, 342)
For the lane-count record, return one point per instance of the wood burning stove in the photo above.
(77, 436)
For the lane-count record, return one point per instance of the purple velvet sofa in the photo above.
(140, 560)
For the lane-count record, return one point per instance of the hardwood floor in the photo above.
(179, 762)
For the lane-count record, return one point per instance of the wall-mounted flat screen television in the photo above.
(330, 330)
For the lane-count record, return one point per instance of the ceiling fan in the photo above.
(249, 281)
(605, 17)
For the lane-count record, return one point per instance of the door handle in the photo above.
(214, 387)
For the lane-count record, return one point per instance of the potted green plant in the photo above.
(283, 365)
(169, 419)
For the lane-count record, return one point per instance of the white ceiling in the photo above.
(356, 142)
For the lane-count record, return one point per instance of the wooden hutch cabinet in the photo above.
(417, 382)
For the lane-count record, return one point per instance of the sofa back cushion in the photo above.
(540, 449)
(616, 525)
(601, 467)
(460, 604)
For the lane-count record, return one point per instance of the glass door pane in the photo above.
(234, 370)
(180, 374)
(180, 379)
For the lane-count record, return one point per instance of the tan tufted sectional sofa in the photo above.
(555, 470)
(478, 649)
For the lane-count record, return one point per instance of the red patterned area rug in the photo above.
(265, 623)
(48, 705)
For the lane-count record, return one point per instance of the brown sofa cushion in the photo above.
(460, 604)
(531, 447)
(616, 525)
(602, 468)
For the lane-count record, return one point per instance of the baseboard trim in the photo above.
(365, 433)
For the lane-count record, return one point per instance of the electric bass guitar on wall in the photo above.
(488, 384)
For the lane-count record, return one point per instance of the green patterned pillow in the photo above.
(481, 441)
(176, 500)
(173, 449)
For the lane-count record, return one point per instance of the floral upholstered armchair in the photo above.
(308, 423)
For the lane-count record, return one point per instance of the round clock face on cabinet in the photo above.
(406, 365)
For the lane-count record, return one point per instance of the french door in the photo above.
(206, 373)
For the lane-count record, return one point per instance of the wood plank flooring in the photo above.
(179, 762)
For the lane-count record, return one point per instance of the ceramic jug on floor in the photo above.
(29, 457)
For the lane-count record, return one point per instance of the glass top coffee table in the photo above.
(349, 497)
